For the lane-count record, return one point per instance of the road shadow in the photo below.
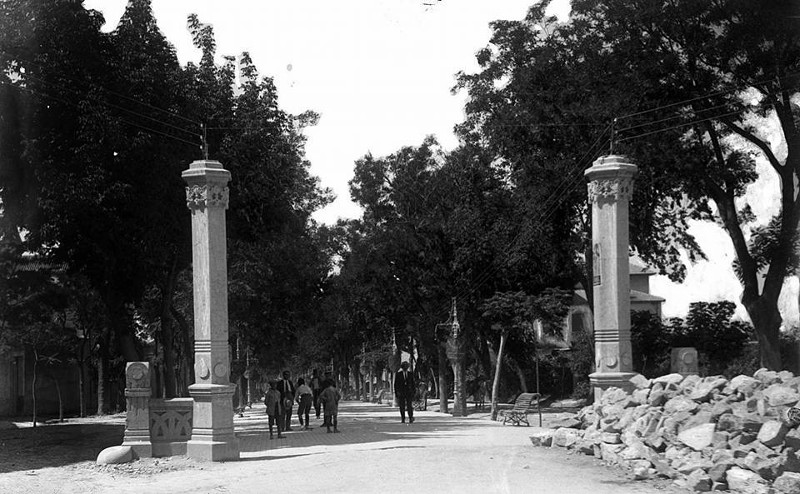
(32, 448)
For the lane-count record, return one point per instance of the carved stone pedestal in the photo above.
(137, 421)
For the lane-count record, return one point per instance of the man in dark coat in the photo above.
(404, 391)
(286, 389)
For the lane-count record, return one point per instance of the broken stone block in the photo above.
(609, 425)
(680, 404)
(717, 472)
(663, 468)
(792, 439)
(772, 433)
(565, 437)
(656, 442)
(745, 481)
(640, 382)
(705, 389)
(699, 418)
(788, 483)
(720, 408)
(635, 451)
(542, 436)
(640, 396)
(691, 464)
(673, 378)
(613, 396)
(767, 376)
(745, 384)
(698, 437)
(720, 440)
(584, 447)
(767, 468)
(610, 452)
(698, 481)
(781, 395)
(610, 437)
(689, 382)
(729, 422)
(657, 398)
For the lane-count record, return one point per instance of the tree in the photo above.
(509, 312)
(681, 79)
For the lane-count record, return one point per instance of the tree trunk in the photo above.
(498, 366)
(82, 377)
(102, 365)
(60, 401)
(119, 322)
(442, 379)
(167, 332)
(33, 384)
(767, 322)
(523, 384)
(188, 346)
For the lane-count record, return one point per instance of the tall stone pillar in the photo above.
(610, 189)
(456, 352)
(137, 420)
(212, 416)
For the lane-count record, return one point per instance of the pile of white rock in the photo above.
(707, 433)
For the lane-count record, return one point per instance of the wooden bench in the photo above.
(523, 405)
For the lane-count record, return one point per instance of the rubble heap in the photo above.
(707, 433)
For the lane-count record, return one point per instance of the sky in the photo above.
(380, 74)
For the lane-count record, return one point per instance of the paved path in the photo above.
(376, 453)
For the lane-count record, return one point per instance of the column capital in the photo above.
(611, 179)
(207, 185)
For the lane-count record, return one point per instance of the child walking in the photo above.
(274, 409)
(330, 403)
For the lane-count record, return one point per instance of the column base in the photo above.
(213, 437)
(140, 444)
(601, 381)
(221, 449)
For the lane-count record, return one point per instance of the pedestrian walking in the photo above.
(330, 403)
(304, 398)
(316, 389)
(404, 391)
(272, 399)
(287, 391)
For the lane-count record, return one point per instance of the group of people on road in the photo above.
(319, 393)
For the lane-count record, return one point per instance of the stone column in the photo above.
(456, 354)
(212, 428)
(137, 420)
(610, 189)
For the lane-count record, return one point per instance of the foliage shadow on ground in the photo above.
(57, 445)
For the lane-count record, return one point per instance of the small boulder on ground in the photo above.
(115, 455)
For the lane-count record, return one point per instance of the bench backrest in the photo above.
(525, 401)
